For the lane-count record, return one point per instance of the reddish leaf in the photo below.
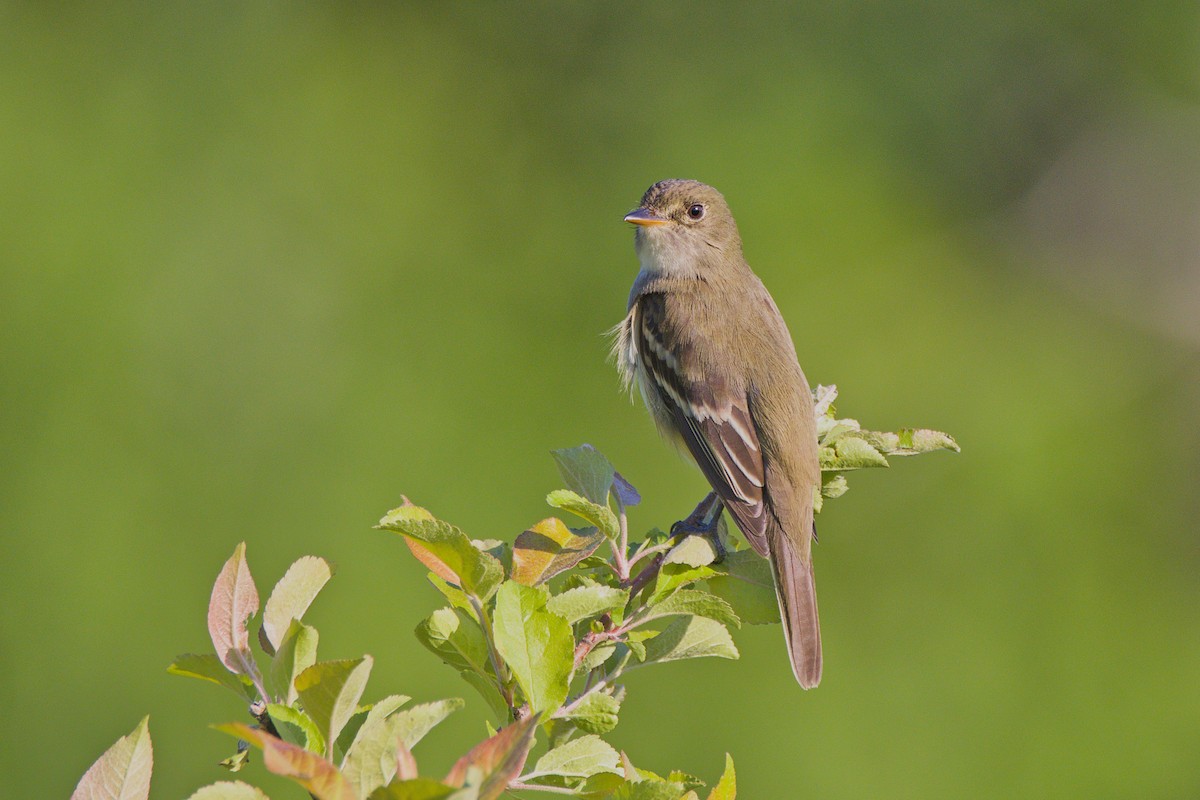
(549, 548)
(432, 562)
(123, 772)
(320, 777)
(500, 759)
(234, 601)
(406, 765)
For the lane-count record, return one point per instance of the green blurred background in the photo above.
(266, 267)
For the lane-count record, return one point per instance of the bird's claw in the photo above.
(705, 520)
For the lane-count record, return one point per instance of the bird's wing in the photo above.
(711, 415)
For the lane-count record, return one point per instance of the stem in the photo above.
(593, 638)
(621, 546)
(493, 654)
(624, 518)
(566, 710)
(646, 575)
(649, 551)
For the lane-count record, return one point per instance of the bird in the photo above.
(704, 342)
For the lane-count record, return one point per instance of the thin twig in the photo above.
(647, 574)
(620, 547)
(493, 655)
(649, 551)
(566, 710)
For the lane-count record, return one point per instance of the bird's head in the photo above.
(683, 225)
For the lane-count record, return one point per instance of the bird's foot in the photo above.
(705, 520)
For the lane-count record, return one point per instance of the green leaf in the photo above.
(691, 602)
(850, 452)
(601, 786)
(412, 724)
(586, 471)
(673, 576)
(693, 551)
(599, 515)
(123, 771)
(487, 689)
(238, 760)
(635, 642)
(579, 758)
(497, 549)
(747, 584)
(292, 596)
(208, 667)
(316, 774)
(596, 713)
(650, 790)
(536, 644)
(297, 727)
(475, 571)
(493, 763)
(834, 486)
(415, 789)
(297, 652)
(228, 790)
(456, 638)
(550, 548)
(691, 637)
(233, 602)
(330, 691)
(911, 441)
(586, 601)
(371, 760)
(726, 788)
(688, 781)
(457, 597)
(599, 654)
(377, 710)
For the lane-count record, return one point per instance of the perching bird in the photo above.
(717, 369)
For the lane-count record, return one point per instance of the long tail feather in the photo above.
(797, 593)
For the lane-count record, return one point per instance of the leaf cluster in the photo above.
(544, 628)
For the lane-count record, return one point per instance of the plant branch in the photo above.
(620, 547)
(652, 550)
(648, 573)
(493, 654)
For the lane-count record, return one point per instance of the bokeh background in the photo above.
(265, 267)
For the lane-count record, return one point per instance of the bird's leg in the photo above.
(704, 521)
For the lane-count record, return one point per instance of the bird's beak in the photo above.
(645, 218)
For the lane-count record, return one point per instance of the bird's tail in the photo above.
(797, 593)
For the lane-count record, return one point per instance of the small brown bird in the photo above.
(717, 369)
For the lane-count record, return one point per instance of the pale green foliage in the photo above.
(330, 692)
(598, 514)
(544, 629)
(536, 644)
(229, 790)
(586, 471)
(291, 598)
(845, 446)
(123, 772)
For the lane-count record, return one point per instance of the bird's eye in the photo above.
(695, 211)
